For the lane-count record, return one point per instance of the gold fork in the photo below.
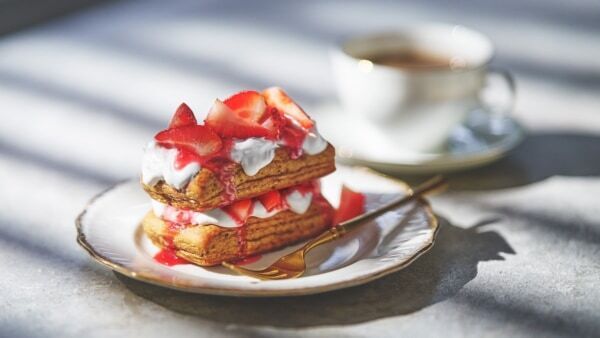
(293, 265)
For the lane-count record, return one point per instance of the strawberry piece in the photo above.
(239, 211)
(352, 204)
(277, 98)
(248, 105)
(271, 200)
(185, 157)
(228, 123)
(183, 117)
(199, 139)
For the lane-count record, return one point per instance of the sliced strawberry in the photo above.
(271, 200)
(185, 157)
(227, 123)
(239, 211)
(183, 117)
(277, 98)
(199, 139)
(352, 204)
(248, 105)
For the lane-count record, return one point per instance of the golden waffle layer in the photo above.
(205, 191)
(208, 245)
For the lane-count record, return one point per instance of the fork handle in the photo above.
(432, 185)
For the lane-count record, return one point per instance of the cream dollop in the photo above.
(296, 202)
(299, 202)
(253, 154)
(314, 143)
(158, 164)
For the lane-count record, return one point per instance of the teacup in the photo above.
(417, 83)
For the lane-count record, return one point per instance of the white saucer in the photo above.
(109, 229)
(481, 139)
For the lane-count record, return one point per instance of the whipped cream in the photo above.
(253, 154)
(314, 143)
(299, 202)
(159, 164)
(296, 202)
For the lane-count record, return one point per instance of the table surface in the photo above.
(517, 254)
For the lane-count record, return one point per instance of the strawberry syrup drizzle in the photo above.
(293, 138)
(242, 241)
(226, 176)
(219, 164)
(167, 255)
(224, 169)
(241, 230)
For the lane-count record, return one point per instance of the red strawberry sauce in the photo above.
(167, 257)
(242, 241)
(220, 164)
(167, 254)
(293, 137)
(224, 169)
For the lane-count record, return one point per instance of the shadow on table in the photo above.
(436, 276)
(540, 156)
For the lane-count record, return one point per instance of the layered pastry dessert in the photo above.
(243, 182)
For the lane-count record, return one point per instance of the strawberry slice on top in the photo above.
(183, 117)
(197, 139)
(248, 105)
(241, 121)
(275, 97)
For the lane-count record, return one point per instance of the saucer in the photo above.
(109, 230)
(481, 139)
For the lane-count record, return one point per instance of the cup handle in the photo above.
(507, 78)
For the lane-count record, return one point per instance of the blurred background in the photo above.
(85, 84)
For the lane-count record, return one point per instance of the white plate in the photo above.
(109, 229)
(483, 138)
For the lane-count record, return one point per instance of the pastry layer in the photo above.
(208, 245)
(205, 191)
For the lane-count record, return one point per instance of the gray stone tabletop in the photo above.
(518, 250)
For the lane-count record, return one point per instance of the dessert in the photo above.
(242, 183)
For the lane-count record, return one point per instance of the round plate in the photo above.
(481, 139)
(109, 229)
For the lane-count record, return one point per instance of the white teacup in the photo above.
(417, 105)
